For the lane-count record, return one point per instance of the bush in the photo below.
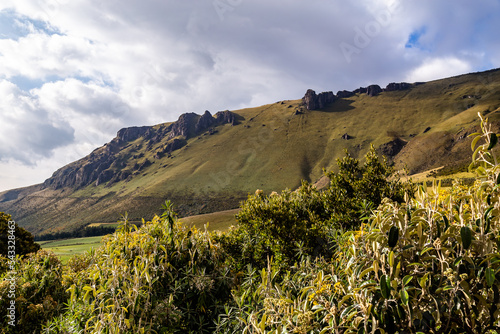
(39, 291)
(295, 224)
(430, 264)
(161, 278)
(24, 240)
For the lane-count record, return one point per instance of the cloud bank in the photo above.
(72, 73)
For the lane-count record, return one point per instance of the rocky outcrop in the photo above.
(373, 90)
(104, 177)
(314, 102)
(185, 126)
(204, 122)
(309, 99)
(226, 117)
(393, 86)
(132, 133)
(390, 149)
(343, 94)
(360, 90)
(110, 163)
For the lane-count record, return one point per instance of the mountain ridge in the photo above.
(206, 163)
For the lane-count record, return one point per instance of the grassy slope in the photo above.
(273, 148)
(220, 221)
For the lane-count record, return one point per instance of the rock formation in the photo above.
(314, 102)
(132, 133)
(393, 86)
(343, 94)
(373, 90)
(360, 90)
(102, 167)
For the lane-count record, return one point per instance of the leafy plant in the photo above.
(295, 224)
(162, 277)
(23, 240)
(39, 292)
(429, 264)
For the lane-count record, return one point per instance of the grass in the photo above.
(220, 221)
(67, 248)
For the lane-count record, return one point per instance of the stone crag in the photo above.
(103, 167)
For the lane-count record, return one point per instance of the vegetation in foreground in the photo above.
(424, 262)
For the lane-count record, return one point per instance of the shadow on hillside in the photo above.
(340, 105)
(238, 118)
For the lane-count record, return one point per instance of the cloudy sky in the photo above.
(73, 72)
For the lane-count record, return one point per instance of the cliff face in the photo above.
(108, 164)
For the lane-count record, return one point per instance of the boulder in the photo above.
(373, 90)
(345, 136)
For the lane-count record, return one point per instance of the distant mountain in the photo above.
(207, 163)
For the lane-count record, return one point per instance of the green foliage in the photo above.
(24, 240)
(356, 188)
(295, 224)
(39, 291)
(162, 277)
(277, 225)
(417, 262)
(440, 275)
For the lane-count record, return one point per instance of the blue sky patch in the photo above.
(15, 26)
(414, 39)
(27, 84)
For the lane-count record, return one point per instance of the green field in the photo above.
(220, 221)
(66, 248)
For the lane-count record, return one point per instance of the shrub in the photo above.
(39, 291)
(24, 240)
(430, 264)
(295, 224)
(162, 277)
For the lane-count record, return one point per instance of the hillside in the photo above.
(206, 163)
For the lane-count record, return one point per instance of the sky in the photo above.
(74, 72)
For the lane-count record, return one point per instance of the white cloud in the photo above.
(98, 66)
(438, 68)
(29, 131)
